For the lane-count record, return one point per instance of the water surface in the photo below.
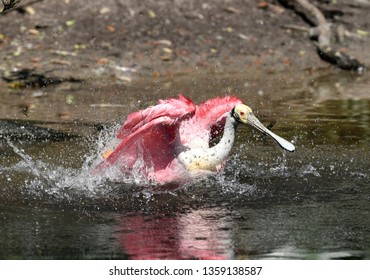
(267, 204)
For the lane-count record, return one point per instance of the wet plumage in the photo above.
(170, 141)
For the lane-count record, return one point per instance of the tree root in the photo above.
(322, 33)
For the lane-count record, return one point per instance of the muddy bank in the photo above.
(85, 38)
(90, 61)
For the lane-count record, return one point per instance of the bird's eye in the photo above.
(241, 113)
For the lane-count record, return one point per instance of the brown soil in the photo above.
(75, 38)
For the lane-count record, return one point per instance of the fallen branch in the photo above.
(322, 33)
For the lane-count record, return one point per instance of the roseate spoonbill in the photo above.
(169, 142)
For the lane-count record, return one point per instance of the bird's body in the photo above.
(170, 141)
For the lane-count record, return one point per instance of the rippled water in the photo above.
(267, 204)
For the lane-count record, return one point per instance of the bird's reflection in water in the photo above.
(200, 234)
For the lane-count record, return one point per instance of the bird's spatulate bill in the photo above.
(253, 121)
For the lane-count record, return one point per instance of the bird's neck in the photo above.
(211, 159)
(223, 148)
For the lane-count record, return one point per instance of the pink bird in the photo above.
(170, 141)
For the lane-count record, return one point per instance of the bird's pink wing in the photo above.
(210, 112)
(172, 108)
(207, 122)
(149, 135)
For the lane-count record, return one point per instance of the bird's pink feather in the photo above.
(150, 134)
(207, 121)
(152, 139)
(173, 108)
(209, 112)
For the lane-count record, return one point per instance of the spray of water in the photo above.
(45, 178)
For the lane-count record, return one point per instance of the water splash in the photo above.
(43, 179)
(309, 169)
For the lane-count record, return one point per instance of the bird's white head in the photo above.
(241, 113)
(244, 114)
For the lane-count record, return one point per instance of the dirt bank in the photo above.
(64, 60)
(77, 38)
